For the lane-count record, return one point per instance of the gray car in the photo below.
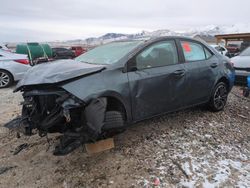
(242, 66)
(115, 85)
(12, 67)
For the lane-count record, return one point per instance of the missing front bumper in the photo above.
(58, 111)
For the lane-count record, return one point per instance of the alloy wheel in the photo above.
(220, 97)
(4, 79)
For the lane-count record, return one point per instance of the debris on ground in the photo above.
(6, 169)
(20, 148)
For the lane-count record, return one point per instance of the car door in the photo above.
(201, 67)
(156, 79)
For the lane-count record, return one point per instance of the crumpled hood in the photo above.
(57, 71)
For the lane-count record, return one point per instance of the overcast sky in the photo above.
(46, 20)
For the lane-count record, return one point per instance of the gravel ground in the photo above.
(191, 148)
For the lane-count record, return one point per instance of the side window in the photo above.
(208, 53)
(193, 51)
(157, 55)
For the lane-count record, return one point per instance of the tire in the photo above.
(113, 120)
(246, 92)
(219, 97)
(6, 79)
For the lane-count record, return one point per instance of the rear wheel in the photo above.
(219, 97)
(6, 79)
(246, 92)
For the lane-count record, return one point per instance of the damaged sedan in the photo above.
(101, 92)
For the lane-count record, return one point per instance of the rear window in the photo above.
(194, 51)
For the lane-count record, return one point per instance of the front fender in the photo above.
(105, 84)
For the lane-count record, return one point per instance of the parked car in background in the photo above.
(233, 48)
(111, 86)
(78, 50)
(12, 67)
(220, 49)
(244, 45)
(63, 53)
(242, 66)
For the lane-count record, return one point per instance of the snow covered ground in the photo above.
(191, 148)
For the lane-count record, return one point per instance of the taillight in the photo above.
(23, 61)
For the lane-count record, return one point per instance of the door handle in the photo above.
(214, 65)
(180, 73)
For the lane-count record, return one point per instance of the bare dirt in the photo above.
(191, 148)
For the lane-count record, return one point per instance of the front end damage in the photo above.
(51, 111)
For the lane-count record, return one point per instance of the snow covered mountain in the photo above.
(208, 31)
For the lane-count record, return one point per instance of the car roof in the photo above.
(60, 48)
(149, 40)
(155, 39)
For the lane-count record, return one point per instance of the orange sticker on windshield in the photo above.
(186, 47)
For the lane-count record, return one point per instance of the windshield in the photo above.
(108, 53)
(246, 52)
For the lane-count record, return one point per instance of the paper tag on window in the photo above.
(186, 47)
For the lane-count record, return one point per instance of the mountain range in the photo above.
(208, 31)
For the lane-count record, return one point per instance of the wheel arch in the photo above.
(115, 101)
(12, 76)
(8, 72)
(225, 80)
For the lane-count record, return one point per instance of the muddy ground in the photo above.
(191, 148)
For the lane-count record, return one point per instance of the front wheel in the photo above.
(219, 97)
(113, 124)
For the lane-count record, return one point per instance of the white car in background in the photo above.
(220, 49)
(242, 66)
(12, 67)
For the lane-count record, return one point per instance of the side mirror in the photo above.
(131, 65)
(134, 68)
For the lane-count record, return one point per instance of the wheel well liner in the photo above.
(114, 104)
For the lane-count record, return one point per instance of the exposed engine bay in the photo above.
(56, 111)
